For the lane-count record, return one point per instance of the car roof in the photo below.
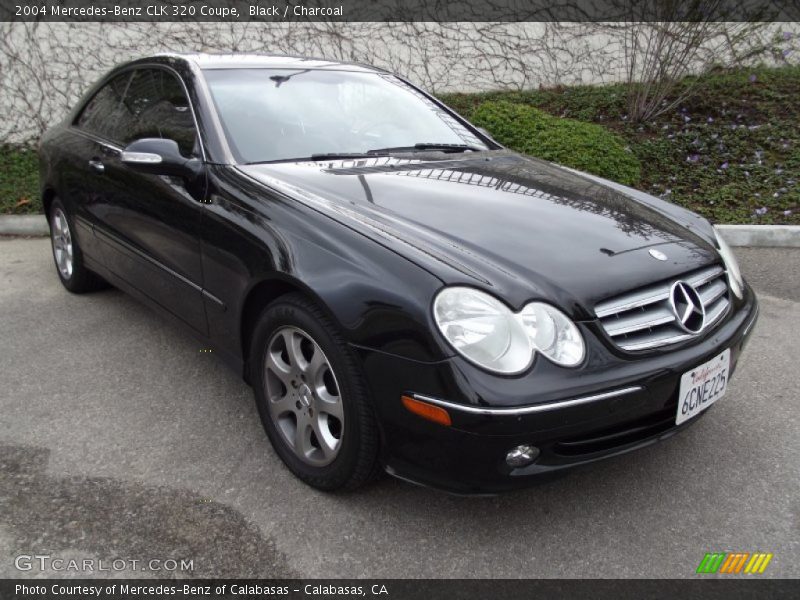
(239, 60)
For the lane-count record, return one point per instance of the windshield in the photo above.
(284, 114)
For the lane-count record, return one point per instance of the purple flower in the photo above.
(693, 158)
(786, 213)
(786, 52)
(787, 35)
(753, 78)
(710, 120)
(686, 119)
(761, 211)
(724, 165)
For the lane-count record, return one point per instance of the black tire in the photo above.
(356, 462)
(77, 279)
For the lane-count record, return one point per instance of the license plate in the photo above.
(702, 386)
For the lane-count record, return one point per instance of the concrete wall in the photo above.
(45, 67)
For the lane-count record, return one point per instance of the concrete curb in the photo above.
(762, 236)
(23, 225)
(754, 236)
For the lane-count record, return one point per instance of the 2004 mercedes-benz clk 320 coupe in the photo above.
(401, 292)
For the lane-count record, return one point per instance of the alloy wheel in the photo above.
(62, 243)
(303, 396)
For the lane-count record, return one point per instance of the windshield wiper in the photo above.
(376, 152)
(429, 146)
(315, 157)
(335, 155)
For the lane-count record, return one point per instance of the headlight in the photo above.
(553, 334)
(735, 279)
(486, 332)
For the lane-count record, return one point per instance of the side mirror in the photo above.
(159, 156)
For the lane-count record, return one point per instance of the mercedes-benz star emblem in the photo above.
(657, 254)
(688, 307)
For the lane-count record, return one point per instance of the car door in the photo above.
(91, 136)
(149, 225)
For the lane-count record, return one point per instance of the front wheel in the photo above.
(311, 396)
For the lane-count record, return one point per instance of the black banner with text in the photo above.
(398, 10)
(394, 589)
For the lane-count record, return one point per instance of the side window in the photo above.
(156, 105)
(101, 114)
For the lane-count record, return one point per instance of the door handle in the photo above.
(97, 166)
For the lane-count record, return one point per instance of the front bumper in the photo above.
(611, 405)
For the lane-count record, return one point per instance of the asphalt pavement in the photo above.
(120, 439)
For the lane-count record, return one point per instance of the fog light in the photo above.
(522, 456)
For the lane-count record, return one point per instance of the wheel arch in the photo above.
(48, 196)
(262, 294)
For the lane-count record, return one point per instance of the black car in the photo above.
(401, 292)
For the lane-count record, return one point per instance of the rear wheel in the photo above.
(311, 396)
(67, 254)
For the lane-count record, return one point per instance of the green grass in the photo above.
(730, 152)
(19, 181)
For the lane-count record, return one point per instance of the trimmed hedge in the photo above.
(575, 144)
(19, 180)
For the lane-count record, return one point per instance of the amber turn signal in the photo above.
(427, 411)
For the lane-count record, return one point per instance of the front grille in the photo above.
(643, 319)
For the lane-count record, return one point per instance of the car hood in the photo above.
(521, 228)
